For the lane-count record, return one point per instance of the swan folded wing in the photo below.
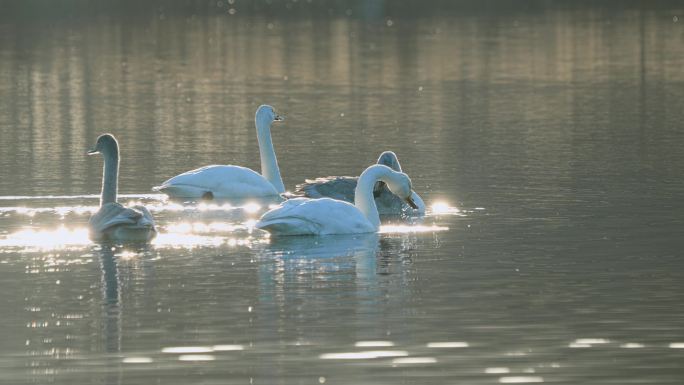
(114, 214)
(336, 187)
(207, 176)
(224, 181)
(314, 216)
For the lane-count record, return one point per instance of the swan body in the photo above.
(220, 182)
(325, 216)
(342, 188)
(217, 181)
(114, 222)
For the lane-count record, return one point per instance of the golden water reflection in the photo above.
(181, 235)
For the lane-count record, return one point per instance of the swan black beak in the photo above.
(92, 151)
(411, 203)
(278, 118)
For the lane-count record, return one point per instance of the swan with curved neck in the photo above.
(114, 222)
(228, 181)
(304, 216)
(343, 187)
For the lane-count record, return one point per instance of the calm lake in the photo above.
(546, 140)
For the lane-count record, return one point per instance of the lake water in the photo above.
(550, 135)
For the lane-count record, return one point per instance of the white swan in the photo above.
(225, 182)
(342, 188)
(113, 222)
(304, 216)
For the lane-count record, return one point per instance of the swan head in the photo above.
(400, 185)
(389, 159)
(106, 145)
(265, 115)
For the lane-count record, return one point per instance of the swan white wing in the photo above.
(114, 215)
(221, 181)
(336, 187)
(303, 216)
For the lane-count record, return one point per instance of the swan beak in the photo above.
(411, 203)
(92, 151)
(278, 118)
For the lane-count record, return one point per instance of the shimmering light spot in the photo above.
(576, 345)
(251, 207)
(363, 355)
(196, 357)
(497, 370)
(198, 227)
(447, 345)
(411, 229)
(60, 238)
(632, 345)
(187, 349)
(137, 360)
(677, 345)
(227, 348)
(591, 341)
(520, 379)
(374, 344)
(321, 380)
(186, 240)
(414, 360)
(126, 255)
(443, 208)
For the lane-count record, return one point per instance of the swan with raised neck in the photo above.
(264, 117)
(230, 181)
(109, 148)
(114, 222)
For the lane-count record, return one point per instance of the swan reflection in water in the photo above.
(342, 277)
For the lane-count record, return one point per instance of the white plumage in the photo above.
(219, 182)
(342, 188)
(228, 181)
(304, 216)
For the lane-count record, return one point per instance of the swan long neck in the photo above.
(110, 177)
(363, 195)
(269, 163)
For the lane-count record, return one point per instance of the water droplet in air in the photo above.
(390, 23)
(232, 11)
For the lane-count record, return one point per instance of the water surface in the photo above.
(552, 133)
